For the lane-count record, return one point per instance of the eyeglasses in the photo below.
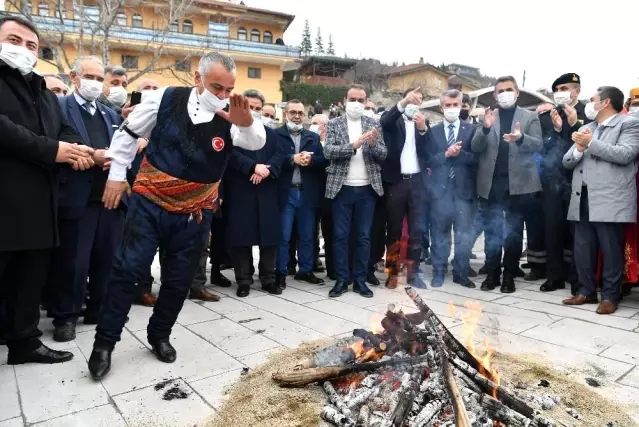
(296, 113)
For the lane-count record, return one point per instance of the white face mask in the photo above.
(90, 89)
(411, 110)
(451, 114)
(18, 57)
(256, 115)
(293, 127)
(117, 95)
(211, 103)
(507, 99)
(354, 110)
(562, 98)
(146, 94)
(590, 111)
(315, 129)
(369, 113)
(634, 111)
(268, 122)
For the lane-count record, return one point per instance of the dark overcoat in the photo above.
(252, 211)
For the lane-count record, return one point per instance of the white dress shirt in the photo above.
(142, 120)
(81, 101)
(408, 159)
(357, 175)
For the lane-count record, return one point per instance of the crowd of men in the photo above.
(93, 184)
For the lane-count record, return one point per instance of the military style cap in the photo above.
(634, 93)
(566, 78)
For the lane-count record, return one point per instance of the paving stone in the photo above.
(254, 360)
(301, 297)
(4, 352)
(624, 352)
(14, 422)
(128, 342)
(576, 313)
(455, 289)
(147, 407)
(380, 296)
(579, 335)
(256, 290)
(622, 395)
(280, 330)
(48, 391)
(304, 316)
(196, 359)
(226, 305)
(337, 308)
(213, 389)
(138, 318)
(631, 379)
(9, 404)
(233, 338)
(101, 416)
(194, 313)
(552, 298)
(508, 300)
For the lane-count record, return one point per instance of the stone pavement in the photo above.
(216, 340)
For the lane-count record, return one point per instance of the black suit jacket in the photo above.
(465, 164)
(394, 129)
(31, 124)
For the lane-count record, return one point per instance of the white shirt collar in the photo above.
(81, 101)
(196, 112)
(608, 120)
(456, 123)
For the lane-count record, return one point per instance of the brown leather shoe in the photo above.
(580, 300)
(607, 307)
(391, 282)
(146, 299)
(203, 295)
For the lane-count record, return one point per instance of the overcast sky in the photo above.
(598, 40)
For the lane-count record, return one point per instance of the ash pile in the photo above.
(413, 373)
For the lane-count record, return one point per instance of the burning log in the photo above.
(364, 417)
(427, 413)
(333, 416)
(362, 397)
(448, 338)
(336, 399)
(461, 416)
(302, 378)
(371, 339)
(500, 412)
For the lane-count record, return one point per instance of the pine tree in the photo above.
(306, 47)
(331, 48)
(319, 44)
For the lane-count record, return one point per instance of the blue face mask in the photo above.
(293, 127)
(411, 110)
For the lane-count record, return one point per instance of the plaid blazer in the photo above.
(338, 149)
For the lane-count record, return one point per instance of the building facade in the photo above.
(433, 80)
(163, 39)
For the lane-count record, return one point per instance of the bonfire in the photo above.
(412, 372)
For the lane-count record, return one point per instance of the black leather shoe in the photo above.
(362, 289)
(280, 281)
(90, 319)
(64, 333)
(243, 291)
(100, 362)
(534, 275)
(338, 290)
(508, 285)
(520, 273)
(372, 279)
(492, 281)
(291, 271)
(466, 283)
(164, 351)
(272, 289)
(308, 278)
(471, 272)
(437, 282)
(483, 270)
(552, 285)
(42, 354)
(220, 280)
(318, 267)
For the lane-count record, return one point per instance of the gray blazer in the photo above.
(609, 164)
(522, 168)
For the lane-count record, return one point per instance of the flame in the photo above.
(363, 353)
(376, 324)
(470, 321)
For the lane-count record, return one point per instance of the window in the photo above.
(184, 66)
(45, 53)
(130, 61)
(439, 84)
(187, 27)
(255, 35)
(254, 73)
(241, 33)
(217, 29)
(43, 9)
(268, 37)
(174, 26)
(92, 14)
(136, 21)
(120, 19)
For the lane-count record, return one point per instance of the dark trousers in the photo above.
(199, 276)
(451, 211)
(22, 277)
(327, 233)
(292, 248)
(147, 227)
(535, 234)
(217, 250)
(378, 232)
(353, 210)
(293, 244)
(297, 210)
(559, 240)
(243, 264)
(426, 235)
(508, 236)
(87, 247)
(405, 198)
(609, 238)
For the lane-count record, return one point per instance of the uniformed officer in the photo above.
(558, 122)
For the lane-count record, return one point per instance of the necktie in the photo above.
(600, 130)
(451, 141)
(87, 106)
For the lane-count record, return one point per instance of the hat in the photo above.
(566, 78)
(634, 93)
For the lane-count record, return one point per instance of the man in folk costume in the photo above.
(192, 133)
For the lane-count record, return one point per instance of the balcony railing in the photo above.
(147, 35)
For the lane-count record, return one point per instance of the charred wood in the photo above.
(427, 413)
(336, 399)
(362, 397)
(457, 401)
(500, 412)
(371, 339)
(335, 417)
(363, 417)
